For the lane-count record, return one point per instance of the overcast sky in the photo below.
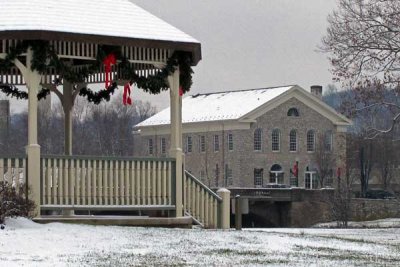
(251, 43)
(248, 43)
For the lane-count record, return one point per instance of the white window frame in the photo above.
(258, 180)
(257, 139)
(293, 143)
(229, 176)
(202, 143)
(189, 144)
(216, 143)
(230, 142)
(150, 146)
(328, 141)
(276, 142)
(310, 184)
(277, 175)
(163, 145)
(310, 141)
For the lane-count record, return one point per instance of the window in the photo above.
(310, 141)
(216, 143)
(163, 146)
(230, 142)
(258, 177)
(228, 176)
(276, 140)
(216, 174)
(328, 141)
(257, 140)
(189, 144)
(202, 143)
(310, 179)
(150, 146)
(293, 141)
(293, 112)
(276, 174)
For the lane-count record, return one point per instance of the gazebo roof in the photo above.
(114, 22)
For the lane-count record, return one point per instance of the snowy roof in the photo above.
(114, 18)
(230, 105)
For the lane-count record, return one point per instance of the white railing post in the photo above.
(225, 208)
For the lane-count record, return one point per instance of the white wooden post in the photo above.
(176, 138)
(33, 79)
(225, 208)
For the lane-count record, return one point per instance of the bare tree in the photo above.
(363, 42)
(325, 161)
(387, 161)
(104, 129)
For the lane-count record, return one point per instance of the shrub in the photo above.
(14, 201)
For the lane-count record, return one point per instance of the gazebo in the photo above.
(46, 44)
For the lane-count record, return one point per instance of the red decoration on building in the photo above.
(126, 97)
(296, 169)
(108, 62)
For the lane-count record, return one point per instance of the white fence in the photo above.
(94, 181)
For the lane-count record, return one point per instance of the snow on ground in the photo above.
(384, 223)
(24, 243)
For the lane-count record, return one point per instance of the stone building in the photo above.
(270, 137)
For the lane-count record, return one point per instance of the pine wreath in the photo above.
(44, 57)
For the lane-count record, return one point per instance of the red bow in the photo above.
(180, 91)
(108, 61)
(295, 170)
(126, 98)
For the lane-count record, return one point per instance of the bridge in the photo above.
(283, 207)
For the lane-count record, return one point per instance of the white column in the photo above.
(33, 79)
(176, 138)
(224, 215)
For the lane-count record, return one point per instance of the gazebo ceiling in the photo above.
(109, 22)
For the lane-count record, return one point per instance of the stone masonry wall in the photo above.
(375, 209)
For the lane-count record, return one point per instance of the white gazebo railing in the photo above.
(95, 183)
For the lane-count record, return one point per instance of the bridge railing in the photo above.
(13, 170)
(201, 202)
(98, 181)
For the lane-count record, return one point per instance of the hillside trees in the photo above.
(363, 43)
(104, 129)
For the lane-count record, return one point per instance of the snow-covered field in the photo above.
(24, 243)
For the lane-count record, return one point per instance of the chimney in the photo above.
(316, 90)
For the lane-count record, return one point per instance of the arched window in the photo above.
(276, 174)
(257, 139)
(276, 140)
(293, 112)
(310, 141)
(293, 140)
(328, 142)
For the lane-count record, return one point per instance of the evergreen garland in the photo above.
(44, 57)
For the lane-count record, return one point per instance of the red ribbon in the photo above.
(126, 98)
(108, 61)
(180, 91)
